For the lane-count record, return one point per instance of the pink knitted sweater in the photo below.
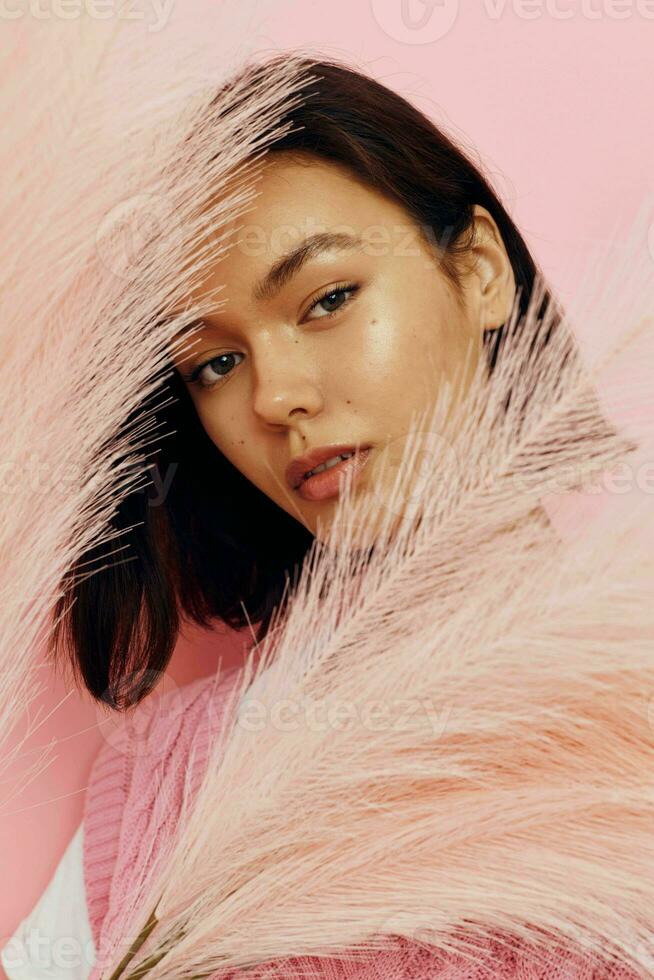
(143, 764)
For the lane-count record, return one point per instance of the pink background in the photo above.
(555, 98)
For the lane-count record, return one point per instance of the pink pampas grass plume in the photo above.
(516, 796)
(110, 159)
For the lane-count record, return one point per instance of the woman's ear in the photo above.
(489, 283)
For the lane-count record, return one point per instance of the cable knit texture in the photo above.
(141, 765)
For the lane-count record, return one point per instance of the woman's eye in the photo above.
(220, 366)
(212, 372)
(333, 300)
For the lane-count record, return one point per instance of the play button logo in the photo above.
(415, 21)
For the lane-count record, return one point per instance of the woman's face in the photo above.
(336, 344)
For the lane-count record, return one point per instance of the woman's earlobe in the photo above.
(496, 317)
(492, 316)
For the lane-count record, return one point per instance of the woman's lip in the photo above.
(327, 484)
(301, 465)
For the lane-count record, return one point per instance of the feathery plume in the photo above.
(509, 784)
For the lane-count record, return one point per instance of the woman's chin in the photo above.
(377, 528)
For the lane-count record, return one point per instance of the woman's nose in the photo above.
(285, 385)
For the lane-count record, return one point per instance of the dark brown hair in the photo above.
(216, 548)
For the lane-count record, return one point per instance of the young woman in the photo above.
(376, 266)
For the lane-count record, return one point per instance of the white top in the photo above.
(55, 941)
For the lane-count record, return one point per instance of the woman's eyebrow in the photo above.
(292, 261)
(284, 269)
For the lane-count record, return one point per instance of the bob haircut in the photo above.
(217, 547)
